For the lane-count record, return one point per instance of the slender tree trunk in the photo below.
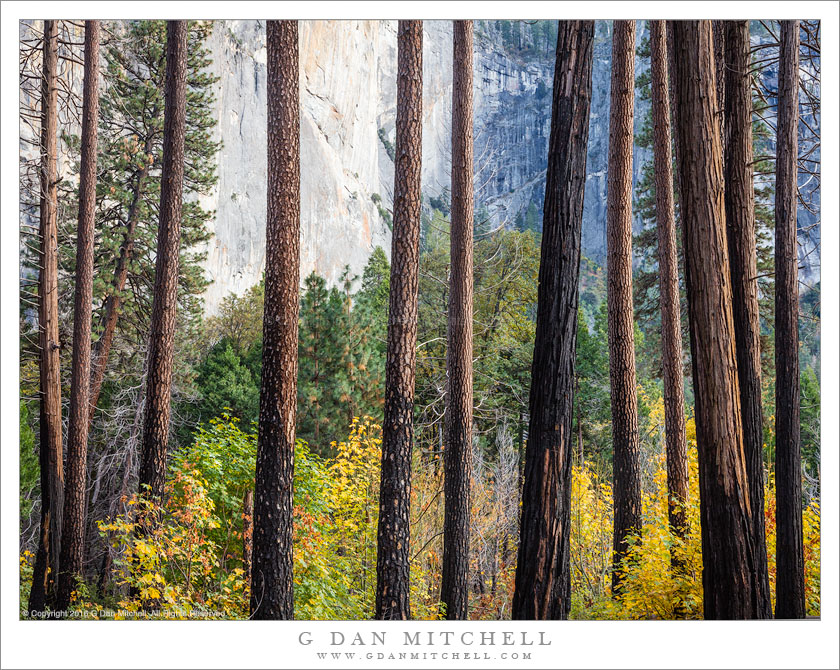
(50, 447)
(458, 454)
(543, 577)
(669, 288)
(790, 562)
(73, 529)
(739, 197)
(271, 576)
(164, 303)
(102, 348)
(725, 516)
(247, 534)
(625, 420)
(719, 37)
(392, 597)
(580, 431)
(675, 136)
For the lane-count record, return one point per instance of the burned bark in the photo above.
(393, 533)
(165, 300)
(543, 577)
(725, 511)
(459, 405)
(790, 562)
(272, 594)
(73, 529)
(51, 455)
(739, 196)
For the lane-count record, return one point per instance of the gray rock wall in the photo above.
(348, 103)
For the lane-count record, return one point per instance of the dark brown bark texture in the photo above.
(73, 527)
(719, 37)
(459, 410)
(271, 573)
(669, 289)
(165, 300)
(51, 455)
(627, 488)
(790, 562)
(739, 198)
(543, 578)
(725, 516)
(675, 137)
(392, 560)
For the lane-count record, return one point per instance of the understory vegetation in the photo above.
(191, 563)
(195, 561)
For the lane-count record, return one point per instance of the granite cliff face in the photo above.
(348, 114)
(348, 101)
(340, 224)
(348, 110)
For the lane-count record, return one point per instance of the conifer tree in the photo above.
(543, 573)
(393, 533)
(790, 563)
(459, 349)
(739, 197)
(50, 444)
(322, 348)
(157, 407)
(272, 594)
(626, 467)
(73, 530)
(725, 510)
(129, 187)
(669, 292)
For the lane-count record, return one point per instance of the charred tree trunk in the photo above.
(669, 288)
(458, 454)
(50, 447)
(739, 197)
(790, 562)
(165, 300)
(726, 519)
(392, 597)
(271, 576)
(543, 578)
(625, 420)
(73, 528)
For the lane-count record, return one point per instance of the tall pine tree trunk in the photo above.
(271, 571)
(669, 288)
(458, 454)
(165, 300)
(73, 528)
(625, 420)
(790, 562)
(392, 596)
(543, 578)
(739, 197)
(725, 514)
(51, 456)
